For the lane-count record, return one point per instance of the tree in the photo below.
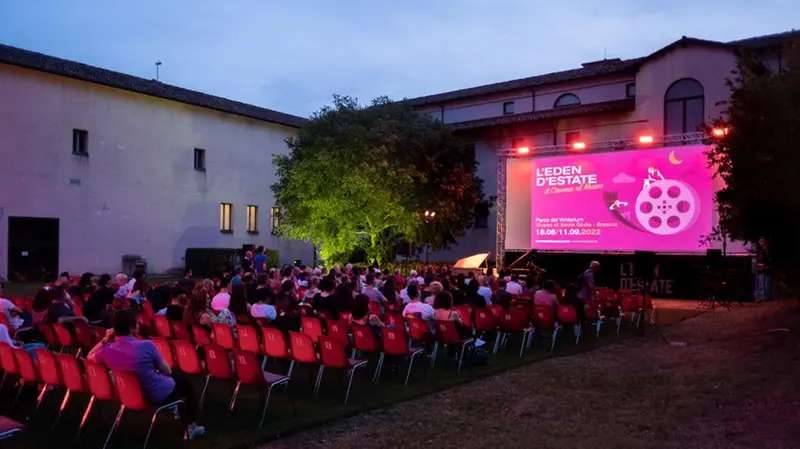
(757, 158)
(361, 177)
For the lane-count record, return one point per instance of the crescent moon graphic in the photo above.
(673, 160)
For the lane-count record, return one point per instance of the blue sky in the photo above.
(293, 55)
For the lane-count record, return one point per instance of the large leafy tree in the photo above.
(758, 158)
(361, 177)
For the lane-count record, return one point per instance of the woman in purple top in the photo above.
(121, 351)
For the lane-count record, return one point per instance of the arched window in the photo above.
(567, 100)
(684, 107)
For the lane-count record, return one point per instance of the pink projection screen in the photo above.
(650, 200)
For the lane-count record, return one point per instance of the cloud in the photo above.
(623, 178)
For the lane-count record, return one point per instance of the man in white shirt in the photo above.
(11, 311)
(513, 286)
(222, 299)
(123, 285)
(417, 306)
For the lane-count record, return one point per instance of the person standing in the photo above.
(260, 261)
(763, 290)
(588, 290)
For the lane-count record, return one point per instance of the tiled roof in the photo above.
(76, 70)
(626, 104)
(595, 69)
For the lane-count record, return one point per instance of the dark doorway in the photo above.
(32, 249)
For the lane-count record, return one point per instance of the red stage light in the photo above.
(579, 146)
(719, 132)
(645, 140)
(523, 150)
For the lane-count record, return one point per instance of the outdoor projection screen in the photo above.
(651, 200)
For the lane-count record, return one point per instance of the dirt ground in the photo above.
(734, 384)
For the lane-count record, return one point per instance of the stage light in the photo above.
(645, 140)
(719, 132)
(523, 150)
(579, 145)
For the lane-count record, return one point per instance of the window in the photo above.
(508, 107)
(630, 90)
(572, 137)
(567, 100)
(80, 142)
(684, 110)
(275, 219)
(200, 159)
(252, 219)
(225, 217)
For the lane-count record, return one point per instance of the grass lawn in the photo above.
(731, 383)
(239, 429)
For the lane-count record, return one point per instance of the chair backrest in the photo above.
(147, 307)
(163, 328)
(71, 373)
(165, 350)
(419, 329)
(465, 312)
(394, 307)
(218, 362)
(485, 320)
(83, 335)
(346, 315)
(274, 343)
(566, 314)
(180, 331)
(223, 335)
(395, 341)
(395, 319)
(7, 361)
(129, 391)
(339, 330)
(48, 333)
(543, 316)
(99, 381)
(143, 319)
(186, 358)
(302, 347)
(592, 310)
(324, 314)
(248, 338)
(515, 319)
(62, 335)
(496, 309)
(201, 335)
(27, 368)
(312, 327)
(374, 308)
(48, 368)
(447, 332)
(333, 353)
(263, 322)
(248, 369)
(364, 338)
(631, 303)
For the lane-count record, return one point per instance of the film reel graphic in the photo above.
(667, 207)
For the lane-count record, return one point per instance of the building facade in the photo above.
(96, 165)
(672, 91)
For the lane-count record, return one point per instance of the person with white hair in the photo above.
(121, 279)
(413, 275)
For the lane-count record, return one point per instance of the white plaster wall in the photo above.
(138, 192)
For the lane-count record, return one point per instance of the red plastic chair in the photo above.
(419, 330)
(496, 309)
(465, 312)
(249, 372)
(334, 355)
(188, 361)
(322, 314)
(447, 335)
(515, 320)
(72, 378)
(144, 320)
(49, 335)
(364, 342)
(218, 364)
(248, 339)
(49, 375)
(201, 335)
(181, 331)
(162, 326)
(374, 308)
(7, 363)
(100, 386)
(64, 337)
(165, 350)
(302, 347)
(566, 316)
(312, 327)
(223, 336)
(395, 343)
(346, 315)
(9, 427)
(339, 330)
(395, 319)
(147, 307)
(275, 346)
(28, 373)
(132, 398)
(84, 337)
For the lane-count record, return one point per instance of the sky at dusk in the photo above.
(293, 55)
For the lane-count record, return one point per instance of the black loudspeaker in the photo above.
(714, 259)
(644, 264)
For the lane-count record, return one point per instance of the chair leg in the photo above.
(19, 391)
(114, 426)
(150, 430)
(524, 343)
(291, 367)
(202, 401)
(597, 325)
(264, 362)
(61, 409)
(235, 395)
(619, 323)
(264, 413)
(318, 383)
(497, 338)
(555, 336)
(378, 368)
(39, 400)
(578, 329)
(461, 357)
(349, 384)
(434, 354)
(3, 381)
(86, 415)
(410, 365)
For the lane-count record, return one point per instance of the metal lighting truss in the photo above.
(504, 155)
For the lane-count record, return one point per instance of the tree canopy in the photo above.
(361, 177)
(758, 156)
